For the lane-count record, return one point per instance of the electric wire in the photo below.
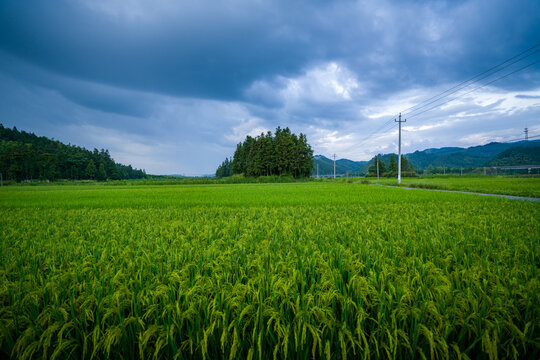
(470, 81)
(477, 88)
(438, 97)
(517, 58)
(478, 75)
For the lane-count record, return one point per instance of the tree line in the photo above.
(283, 153)
(25, 156)
(390, 170)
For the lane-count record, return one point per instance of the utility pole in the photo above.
(399, 149)
(317, 170)
(377, 168)
(334, 166)
(526, 134)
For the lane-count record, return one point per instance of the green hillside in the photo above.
(523, 155)
(343, 166)
(492, 154)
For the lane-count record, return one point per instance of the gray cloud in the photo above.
(527, 96)
(176, 84)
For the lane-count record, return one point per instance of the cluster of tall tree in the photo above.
(225, 169)
(390, 169)
(283, 153)
(25, 156)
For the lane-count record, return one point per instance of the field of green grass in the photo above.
(316, 270)
(517, 186)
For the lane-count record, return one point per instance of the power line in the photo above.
(476, 88)
(520, 139)
(390, 123)
(384, 126)
(427, 101)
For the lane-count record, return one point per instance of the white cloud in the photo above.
(328, 83)
(251, 126)
(463, 123)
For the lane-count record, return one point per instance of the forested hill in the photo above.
(475, 156)
(25, 156)
(521, 155)
(325, 166)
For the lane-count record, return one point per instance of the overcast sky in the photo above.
(172, 86)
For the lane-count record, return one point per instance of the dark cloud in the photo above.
(193, 52)
(217, 50)
(527, 96)
(171, 74)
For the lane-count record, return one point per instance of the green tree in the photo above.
(90, 172)
(372, 170)
(225, 169)
(284, 153)
(101, 173)
(392, 167)
(27, 156)
(305, 156)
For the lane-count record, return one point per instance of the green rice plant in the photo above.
(257, 271)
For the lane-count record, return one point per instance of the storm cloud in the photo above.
(171, 86)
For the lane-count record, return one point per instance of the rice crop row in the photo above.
(274, 276)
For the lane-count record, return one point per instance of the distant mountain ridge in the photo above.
(449, 157)
(343, 166)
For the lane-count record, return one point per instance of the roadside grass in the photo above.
(517, 186)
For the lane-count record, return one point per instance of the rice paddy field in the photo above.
(505, 185)
(267, 271)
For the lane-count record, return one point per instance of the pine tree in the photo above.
(404, 163)
(282, 154)
(372, 171)
(101, 174)
(90, 172)
(392, 167)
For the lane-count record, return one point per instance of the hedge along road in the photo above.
(511, 197)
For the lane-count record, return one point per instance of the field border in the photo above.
(511, 197)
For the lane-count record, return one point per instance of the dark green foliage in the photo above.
(407, 169)
(225, 169)
(523, 155)
(101, 174)
(457, 158)
(284, 153)
(372, 171)
(90, 172)
(392, 167)
(25, 156)
(343, 166)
